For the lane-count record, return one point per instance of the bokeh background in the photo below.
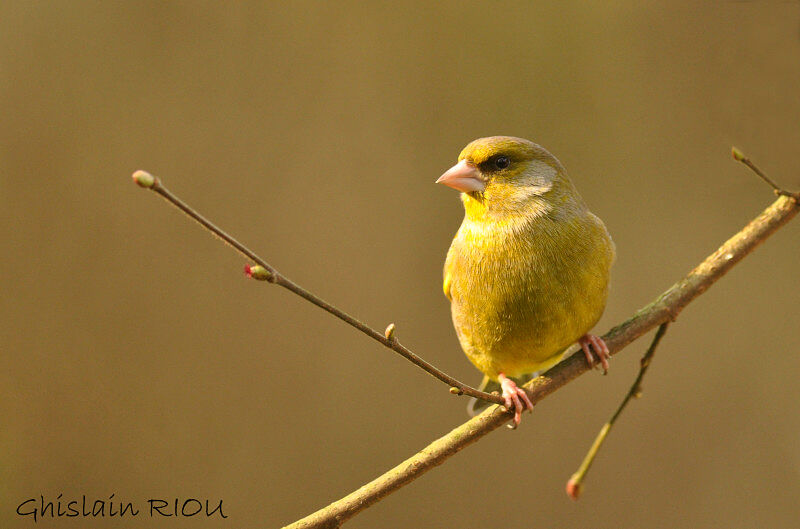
(138, 361)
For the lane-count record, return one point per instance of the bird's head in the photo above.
(507, 175)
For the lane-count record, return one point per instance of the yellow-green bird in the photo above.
(527, 272)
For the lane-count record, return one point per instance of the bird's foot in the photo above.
(600, 349)
(516, 399)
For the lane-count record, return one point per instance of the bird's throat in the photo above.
(479, 208)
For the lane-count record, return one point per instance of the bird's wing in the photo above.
(449, 270)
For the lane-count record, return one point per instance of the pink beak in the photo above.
(463, 176)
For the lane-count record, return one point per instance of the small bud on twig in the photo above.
(737, 154)
(573, 488)
(144, 179)
(389, 332)
(257, 272)
(456, 391)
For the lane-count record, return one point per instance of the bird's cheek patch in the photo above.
(538, 179)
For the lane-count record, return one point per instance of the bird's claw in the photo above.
(600, 349)
(516, 399)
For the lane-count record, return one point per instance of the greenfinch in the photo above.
(528, 270)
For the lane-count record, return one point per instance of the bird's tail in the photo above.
(476, 406)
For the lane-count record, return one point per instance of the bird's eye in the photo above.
(501, 162)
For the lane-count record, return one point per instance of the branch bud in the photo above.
(738, 155)
(257, 272)
(389, 332)
(144, 179)
(574, 488)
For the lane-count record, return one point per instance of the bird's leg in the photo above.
(515, 398)
(600, 349)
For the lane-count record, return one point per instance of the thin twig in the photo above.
(575, 483)
(664, 309)
(148, 181)
(740, 157)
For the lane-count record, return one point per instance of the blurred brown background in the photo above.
(138, 360)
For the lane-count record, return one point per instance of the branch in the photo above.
(740, 157)
(575, 483)
(268, 273)
(664, 309)
(661, 311)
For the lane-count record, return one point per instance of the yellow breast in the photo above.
(523, 289)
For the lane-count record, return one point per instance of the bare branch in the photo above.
(664, 309)
(268, 273)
